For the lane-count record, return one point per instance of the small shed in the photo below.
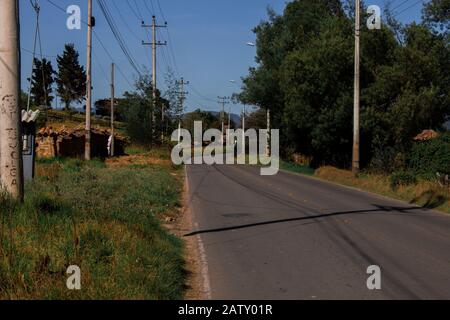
(67, 142)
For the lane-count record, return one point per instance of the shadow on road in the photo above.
(378, 208)
(429, 199)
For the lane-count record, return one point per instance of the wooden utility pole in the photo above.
(154, 44)
(112, 110)
(11, 166)
(87, 145)
(182, 97)
(355, 156)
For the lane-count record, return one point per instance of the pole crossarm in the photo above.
(158, 43)
(155, 43)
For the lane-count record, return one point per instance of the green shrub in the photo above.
(432, 156)
(402, 178)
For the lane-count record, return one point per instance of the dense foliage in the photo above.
(305, 76)
(431, 157)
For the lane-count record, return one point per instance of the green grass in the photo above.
(106, 221)
(136, 149)
(297, 168)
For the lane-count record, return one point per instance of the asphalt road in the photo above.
(294, 237)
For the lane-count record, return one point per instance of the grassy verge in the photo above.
(297, 168)
(423, 193)
(103, 218)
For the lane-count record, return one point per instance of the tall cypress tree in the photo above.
(42, 82)
(71, 78)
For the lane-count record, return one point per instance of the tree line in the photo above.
(136, 108)
(70, 80)
(305, 74)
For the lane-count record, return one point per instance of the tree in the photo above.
(23, 99)
(41, 83)
(256, 119)
(305, 76)
(71, 79)
(174, 110)
(436, 14)
(103, 108)
(409, 95)
(137, 107)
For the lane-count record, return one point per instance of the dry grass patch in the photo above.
(424, 193)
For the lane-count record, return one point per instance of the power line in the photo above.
(160, 9)
(100, 66)
(111, 58)
(31, 52)
(138, 10)
(173, 57)
(407, 8)
(118, 35)
(125, 22)
(148, 9)
(399, 5)
(99, 41)
(133, 10)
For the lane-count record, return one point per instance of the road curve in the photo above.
(294, 237)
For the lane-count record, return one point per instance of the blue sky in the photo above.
(208, 40)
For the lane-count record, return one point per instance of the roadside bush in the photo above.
(402, 178)
(432, 156)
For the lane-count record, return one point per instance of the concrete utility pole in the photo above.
(243, 127)
(222, 101)
(182, 97)
(154, 44)
(87, 145)
(355, 156)
(229, 125)
(11, 166)
(112, 110)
